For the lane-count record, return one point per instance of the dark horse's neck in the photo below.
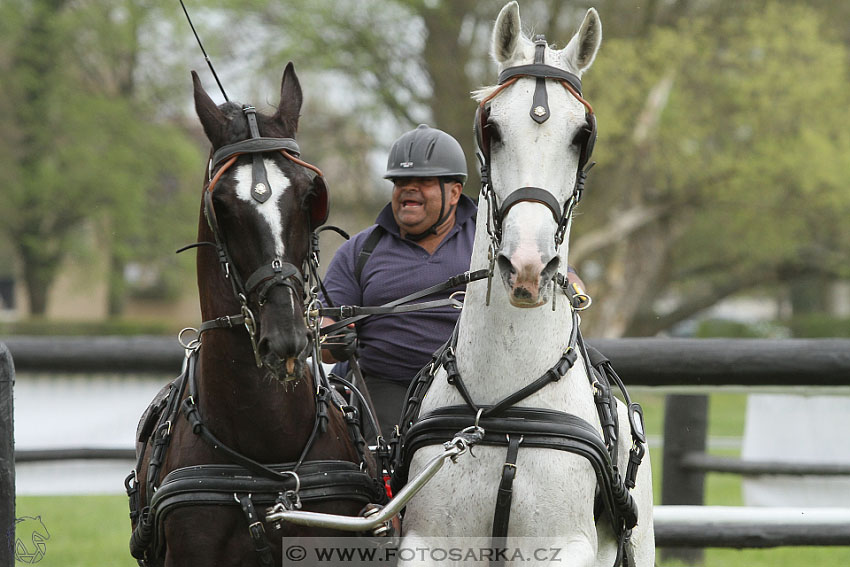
(242, 405)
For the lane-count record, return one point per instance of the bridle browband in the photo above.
(539, 112)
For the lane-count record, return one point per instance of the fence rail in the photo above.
(747, 527)
(640, 362)
(73, 453)
(711, 463)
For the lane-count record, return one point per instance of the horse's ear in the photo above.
(212, 118)
(291, 97)
(506, 33)
(582, 48)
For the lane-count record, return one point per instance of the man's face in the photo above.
(416, 202)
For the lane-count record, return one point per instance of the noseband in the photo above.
(539, 113)
(278, 272)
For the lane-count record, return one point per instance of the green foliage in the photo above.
(711, 328)
(83, 150)
(819, 325)
(107, 327)
(726, 328)
(746, 157)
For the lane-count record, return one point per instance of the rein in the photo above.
(348, 314)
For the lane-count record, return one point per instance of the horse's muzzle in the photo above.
(283, 336)
(528, 283)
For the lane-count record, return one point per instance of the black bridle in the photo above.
(539, 112)
(277, 272)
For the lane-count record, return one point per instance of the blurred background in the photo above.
(719, 204)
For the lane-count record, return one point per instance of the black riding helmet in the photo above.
(427, 152)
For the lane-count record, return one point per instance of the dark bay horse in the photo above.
(248, 425)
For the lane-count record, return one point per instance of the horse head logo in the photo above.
(31, 536)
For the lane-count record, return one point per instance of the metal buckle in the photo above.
(251, 327)
(192, 344)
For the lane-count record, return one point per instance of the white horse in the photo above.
(507, 344)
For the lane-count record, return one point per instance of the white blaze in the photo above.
(269, 211)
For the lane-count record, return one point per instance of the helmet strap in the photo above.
(444, 215)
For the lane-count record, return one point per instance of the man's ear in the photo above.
(455, 189)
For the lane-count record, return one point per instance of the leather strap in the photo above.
(366, 251)
(260, 188)
(224, 322)
(540, 428)
(454, 281)
(540, 101)
(555, 373)
(276, 273)
(502, 515)
(540, 71)
(215, 485)
(533, 194)
(255, 145)
(257, 531)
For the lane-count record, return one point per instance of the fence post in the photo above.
(685, 431)
(7, 459)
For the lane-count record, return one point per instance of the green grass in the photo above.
(93, 531)
(85, 531)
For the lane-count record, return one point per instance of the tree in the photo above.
(736, 164)
(81, 147)
(703, 123)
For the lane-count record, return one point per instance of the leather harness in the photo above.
(246, 481)
(503, 424)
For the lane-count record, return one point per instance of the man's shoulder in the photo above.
(356, 242)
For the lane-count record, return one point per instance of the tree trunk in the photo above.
(39, 273)
(451, 104)
(117, 289)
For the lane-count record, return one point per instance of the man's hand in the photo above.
(342, 344)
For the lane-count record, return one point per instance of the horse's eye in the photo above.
(493, 131)
(581, 136)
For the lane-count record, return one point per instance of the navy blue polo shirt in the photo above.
(397, 346)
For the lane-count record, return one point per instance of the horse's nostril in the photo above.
(505, 265)
(263, 347)
(550, 269)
